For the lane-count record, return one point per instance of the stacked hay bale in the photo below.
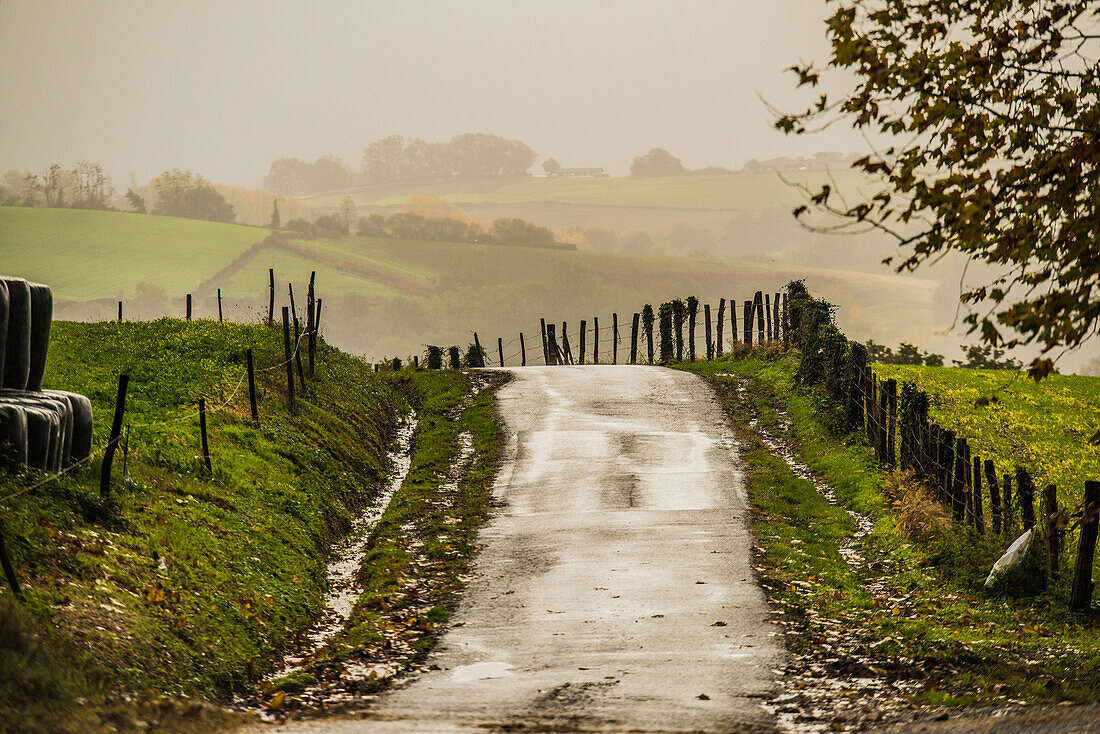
(41, 429)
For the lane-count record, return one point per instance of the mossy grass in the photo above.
(188, 583)
(928, 616)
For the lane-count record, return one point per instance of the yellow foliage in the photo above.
(254, 206)
(430, 207)
(572, 238)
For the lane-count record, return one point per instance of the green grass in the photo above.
(1043, 427)
(739, 190)
(929, 620)
(86, 255)
(186, 583)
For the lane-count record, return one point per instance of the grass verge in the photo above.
(186, 583)
(896, 619)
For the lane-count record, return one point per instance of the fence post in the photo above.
(584, 328)
(758, 306)
(120, 311)
(891, 421)
(768, 312)
(1008, 522)
(1081, 596)
(9, 570)
(545, 346)
(188, 306)
(297, 337)
(522, 351)
(979, 511)
(775, 318)
(500, 350)
(1053, 532)
(287, 358)
(614, 338)
(710, 335)
(221, 320)
(271, 297)
(112, 441)
(994, 495)
(595, 340)
(721, 316)
(252, 389)
(317, 318)
(567, 353)
(478, 354)
(551, 345)
(634, 339)
(311, 333)
(202, 432)
(693, 310)
(958, 480)
(747, 313)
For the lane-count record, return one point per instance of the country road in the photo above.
(613, 590)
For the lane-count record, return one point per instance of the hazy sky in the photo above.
(224, 87)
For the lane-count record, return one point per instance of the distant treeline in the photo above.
(409, 226)
(396, 159)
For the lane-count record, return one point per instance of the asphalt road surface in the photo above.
(613, 591)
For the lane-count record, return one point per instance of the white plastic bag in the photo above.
(1012, 556)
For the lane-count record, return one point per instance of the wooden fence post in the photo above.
(614, 338)
(775, 319)
(634, 339)
(958, 480)
(9, 570)
(1053, 532)
(271, 297)
(188, 306)
(748, 322)
(317, 319)
(758, 306)
(202, 432)
(311, 332)
(1081, 595)
(297, 337)
(566, 351)
(979, 511)
(288, 359)
(545, 346)
(221, 319)
(710, 335)
(1008, 522)
(112, 441)
(479, 354)
(551, 345)
(721, 316)
(252, 389)
(891, 421)
(595, 340)
(120, 311)
(522, 351)
(768, 312)
(691, 327)
(584, 328)
(500, 350)
(994, 496)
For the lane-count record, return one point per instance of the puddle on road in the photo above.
(481, 671)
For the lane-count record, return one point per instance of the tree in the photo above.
(135, 200)
(294, 177)
(184, 194)
(657, 162)
(275, 222)
(551, 166)
(347, 213)
(993, 111)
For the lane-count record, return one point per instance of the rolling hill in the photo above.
(391, 297)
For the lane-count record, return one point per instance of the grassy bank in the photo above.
(896, 618)
(187, 583)
(1043, 427)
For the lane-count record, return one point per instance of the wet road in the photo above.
(614, 591)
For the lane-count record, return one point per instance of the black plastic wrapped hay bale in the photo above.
(80, 448)
(41, 426)
(41, 318)
(61, 443)
(13, 437)
(17, 353)
(3, 327)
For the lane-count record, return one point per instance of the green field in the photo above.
(741, 190)
(1043, 427)
(87, 255)
(391, 297)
